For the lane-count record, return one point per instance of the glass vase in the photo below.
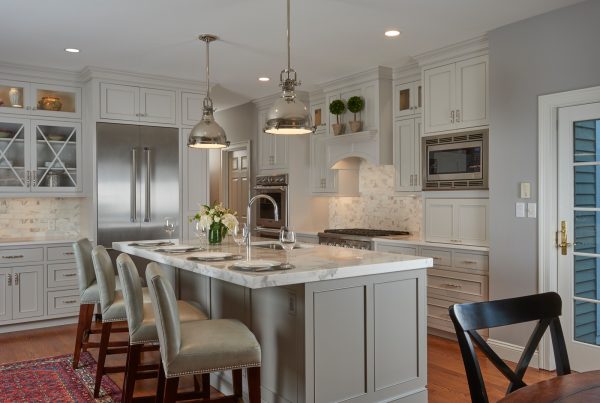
(215, 234)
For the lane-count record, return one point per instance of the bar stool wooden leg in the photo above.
(254, 384)
(83, 324)
(130, 373)
(206, 385)
(160, 387)
(237, 382)
(171, 390)
(102, 356)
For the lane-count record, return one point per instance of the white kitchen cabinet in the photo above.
(5, 294)
(319, 114)
(272, 150)
(40, 156)
(40, 99)
(191, 108)
(456, 95)
(323, 179)
(408, 99)
(407, 155)
(136, 104)
(459, 221)
(27, 292)
(195, 182)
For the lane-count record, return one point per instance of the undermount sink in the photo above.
(274, 246)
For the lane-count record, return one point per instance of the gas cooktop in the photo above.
(372, 233)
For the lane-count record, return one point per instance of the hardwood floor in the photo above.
(447, 379)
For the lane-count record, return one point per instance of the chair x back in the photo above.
(468, 318)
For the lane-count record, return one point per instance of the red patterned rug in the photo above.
(53, 379)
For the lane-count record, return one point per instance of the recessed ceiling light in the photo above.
(72, 50)
(392, 33)
(263, 79)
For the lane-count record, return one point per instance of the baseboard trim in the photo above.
(512, 352)
(17, 327)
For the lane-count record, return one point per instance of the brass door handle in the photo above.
(562, 235)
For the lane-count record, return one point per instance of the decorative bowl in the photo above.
(5, 135)
(50, 104)
(56, 137)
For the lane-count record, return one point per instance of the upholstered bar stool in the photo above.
(113, 310)
(142, 327)
(199, 347)
(89, 297)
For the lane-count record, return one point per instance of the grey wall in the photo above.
(546, 54)
(240, 124)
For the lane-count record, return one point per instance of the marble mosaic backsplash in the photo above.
(378, 206)
(40, 218)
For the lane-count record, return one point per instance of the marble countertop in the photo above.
(408, 240)
(312, 263)
(33, 242)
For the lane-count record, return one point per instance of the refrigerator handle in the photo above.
(147, 213)
(132, 187)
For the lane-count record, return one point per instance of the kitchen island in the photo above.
(343, 325)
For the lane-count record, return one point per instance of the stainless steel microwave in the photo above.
(456, 161)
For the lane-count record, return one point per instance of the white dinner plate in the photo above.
(151, 244)
(257, 264)
(212, 255)
(179, 249)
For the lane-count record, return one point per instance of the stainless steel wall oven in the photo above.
(275, 186)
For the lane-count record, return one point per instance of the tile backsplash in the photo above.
(378, 206)
(40, 218)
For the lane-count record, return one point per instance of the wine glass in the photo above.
(169, 226)
(200, 231)
(239, 233)
(287, 239)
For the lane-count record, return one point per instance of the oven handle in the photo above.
(261, 187)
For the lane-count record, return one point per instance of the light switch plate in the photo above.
(525, 190)
(520, 210)
(531, 210)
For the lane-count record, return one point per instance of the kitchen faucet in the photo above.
(249, 218)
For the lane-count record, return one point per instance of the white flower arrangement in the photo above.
(217, 217)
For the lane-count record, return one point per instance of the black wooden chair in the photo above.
(468, 318)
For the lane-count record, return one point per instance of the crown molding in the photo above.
(316, 95)
(27, 73)
(410, 71)
(375, 73)
(91, 72)
(470, 46)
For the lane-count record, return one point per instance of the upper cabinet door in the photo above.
(439, 220)
(15, 151)
(319, 117)
(280, 152)
(471, 218)
(14, 97)
(191, 108)
(407, 99)
(404, 154)
(119, 102)
(439, 98)
(472, 93)
(157, 106)
(55, 101)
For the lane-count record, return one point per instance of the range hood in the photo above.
(346, 151)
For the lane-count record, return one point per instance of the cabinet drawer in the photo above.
(22, 255)
(60, 302)
(403, 250)
(441, 324)
(471, 261)
(467, 287)
(61, 253)
(441, 257)
(62, 274)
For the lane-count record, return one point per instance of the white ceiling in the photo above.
(330, 38)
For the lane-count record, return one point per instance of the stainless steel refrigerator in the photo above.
(138, 181)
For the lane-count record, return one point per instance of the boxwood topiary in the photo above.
(337, 107)
(355, 105)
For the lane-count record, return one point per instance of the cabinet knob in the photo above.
(457, 115)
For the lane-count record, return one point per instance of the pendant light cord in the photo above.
(208, 70)
(288, 36)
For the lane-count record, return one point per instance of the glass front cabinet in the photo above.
(39, 156)
(34, 99)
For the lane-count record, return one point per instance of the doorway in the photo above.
(236, 177)
(569, 220)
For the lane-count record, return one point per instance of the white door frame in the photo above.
(242, 145)
(548, 106)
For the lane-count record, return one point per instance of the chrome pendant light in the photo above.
(288, 116)
(207, 133)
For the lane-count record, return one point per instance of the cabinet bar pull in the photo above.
(68, 253)
(13, 257)
(452, 116)
(147, 214)
(469, 262)
(16, 278)
(28, 179)
(456, 240)
(70, 275)
(411, 180)
(33, 179)
(452, 285)
(436, 258)
(457, 115)
(9, 279)
(132, 186)
(71, 301)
